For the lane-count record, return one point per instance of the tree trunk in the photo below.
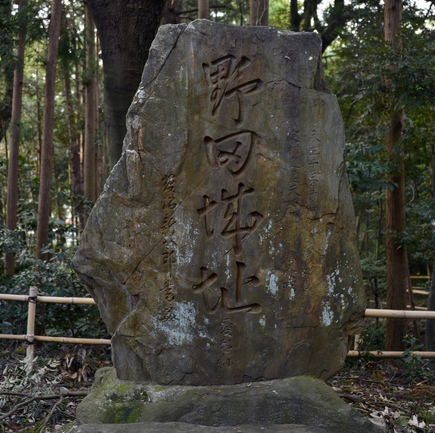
(59, 213)
(74, 142)
(47, 138)
(126, 29)
(430, 324)
(203, 9)
(396, 281)
(171, 12)
(13, 164)
(258, 12)
(8, 71)
(91, 107)
(295, 18)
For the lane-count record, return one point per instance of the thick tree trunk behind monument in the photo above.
(396, 282)
(126, 30)
(47, 140)
(13, 164)
(258, 12)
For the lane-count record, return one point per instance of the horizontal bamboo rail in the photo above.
(359, 354)
(420, 292)
(49, 299)
(56, 339)
(31, 338)
(400, 314)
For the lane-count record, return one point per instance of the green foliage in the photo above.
(359, 70)
(372, 338)
(53, 278)
(413, 366)
(279, 14)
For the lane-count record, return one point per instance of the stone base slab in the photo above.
(181, 427)
(299, 404)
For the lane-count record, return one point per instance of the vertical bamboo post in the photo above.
(357, 341)
(31, 313)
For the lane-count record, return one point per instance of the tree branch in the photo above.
(31, 399)
(50, 414)
(15, 408)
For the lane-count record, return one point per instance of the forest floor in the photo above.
(45, 399)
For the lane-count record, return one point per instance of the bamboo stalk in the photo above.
(31, 314)
(358, 354)
(49, 299)
(400, 314)
(57, 339)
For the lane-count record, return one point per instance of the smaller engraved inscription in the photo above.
(297, 273)
(227, 77)
(314, 162)
(294, 154)
(226, 344)
(168, 254)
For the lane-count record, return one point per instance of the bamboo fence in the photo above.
(30, 337)
(32, 299)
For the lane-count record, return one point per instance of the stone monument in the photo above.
(222, 250)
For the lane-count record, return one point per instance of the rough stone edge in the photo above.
(105, 378)
(180, 427)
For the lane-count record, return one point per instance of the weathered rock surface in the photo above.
(297, 404)
(222, 249)
(179, 427)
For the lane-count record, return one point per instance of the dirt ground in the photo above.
(45, 397)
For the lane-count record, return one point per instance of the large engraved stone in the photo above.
(222, 249)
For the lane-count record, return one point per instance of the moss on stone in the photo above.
(297, 400)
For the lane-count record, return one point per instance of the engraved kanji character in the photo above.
(233, 151)
(169, 257)
(224, 301)
(233, 213)
(169, 202)
(240, 282)
(208, 206)
(206, 282)
(314, 140)
(225, 76)
(168, 183)
(167, 224)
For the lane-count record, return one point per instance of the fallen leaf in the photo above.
(414, 422)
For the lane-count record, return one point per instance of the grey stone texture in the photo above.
(222, 249)
(180, 427)
(297, 404)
